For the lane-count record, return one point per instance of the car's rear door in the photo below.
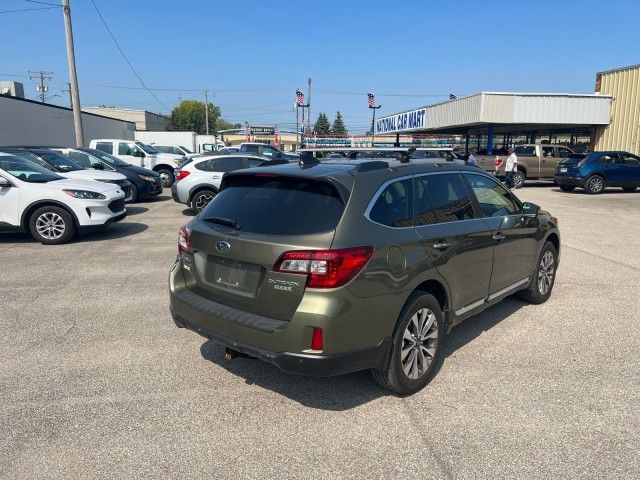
(458, 242)
(513, 234)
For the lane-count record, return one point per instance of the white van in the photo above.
(142, 155)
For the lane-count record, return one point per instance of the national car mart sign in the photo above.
(401, 122)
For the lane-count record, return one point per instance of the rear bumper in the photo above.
(568, 180)
(300, 363)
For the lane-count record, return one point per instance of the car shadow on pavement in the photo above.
(189, 212)
(117, 230)
(347, 391)
(16, 237)
(325, 393)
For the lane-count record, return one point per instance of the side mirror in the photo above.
(98, 166)
(530, 209)
(5, 183)
(138, 153)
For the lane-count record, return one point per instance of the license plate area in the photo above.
(232, 275)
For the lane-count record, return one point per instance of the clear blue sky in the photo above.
(266, 49)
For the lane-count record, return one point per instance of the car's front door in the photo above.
(512, 232)
(458, 242)
(131, 153)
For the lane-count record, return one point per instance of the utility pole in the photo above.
(73, 76)
(309, 105)
(42, 88)
(206, 110)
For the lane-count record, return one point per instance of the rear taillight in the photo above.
(325, 268)
(184, 243)
(497, 162)
(180, 174)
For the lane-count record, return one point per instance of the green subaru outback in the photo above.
(329, 268)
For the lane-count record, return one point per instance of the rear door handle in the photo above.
(441, 245)
(216, 177)
(499, 236)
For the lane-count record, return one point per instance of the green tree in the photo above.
(338, 127)
(189, 116)
(322, 125)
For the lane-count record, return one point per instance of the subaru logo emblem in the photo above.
(223, 246)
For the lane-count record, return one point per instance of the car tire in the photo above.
(567, 188)
(134, 194)
(52, 225)
(595, 184)
(629, 189)
(519, 177)
(405, 372)
(201, 199)
(167, 177)
(544, 276)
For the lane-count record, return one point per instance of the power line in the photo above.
(28, 9)
(125, 57)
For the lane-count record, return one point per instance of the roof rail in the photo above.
(373, 165)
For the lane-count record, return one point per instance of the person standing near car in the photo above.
(471, 160)
(510, 167)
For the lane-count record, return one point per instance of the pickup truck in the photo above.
(535, 161)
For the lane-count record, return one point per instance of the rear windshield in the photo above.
(277, 205)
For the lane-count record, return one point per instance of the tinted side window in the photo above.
(494, 199)
(525, 151)
(106, 147)
(629, 159)
(206, 166)
(126, 148)
(251, 148)
(564, 152)
(228, 164)
(394, 206)
(607, 158)
(254, 162)
(446, 199)
(547, 152)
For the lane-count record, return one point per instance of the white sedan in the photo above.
(51, 207)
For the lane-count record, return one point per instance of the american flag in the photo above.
(299, 98)
(372, 99)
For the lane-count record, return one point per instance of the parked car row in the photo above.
(56, 192)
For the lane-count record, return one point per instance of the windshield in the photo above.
(27, 171)
(58, 161)
(147, 148)
(105, 157)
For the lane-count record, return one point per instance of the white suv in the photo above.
(142, 155)
(51, 207)
(198, 181)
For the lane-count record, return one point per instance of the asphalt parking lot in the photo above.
(96, 381)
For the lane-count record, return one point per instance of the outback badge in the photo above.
(222, 246)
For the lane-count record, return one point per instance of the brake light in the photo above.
(325, 268)
(180, 174)
(317, 342)
(184, 242)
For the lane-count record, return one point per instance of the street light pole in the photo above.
(373, 123)
(73, 76)
(206, 111)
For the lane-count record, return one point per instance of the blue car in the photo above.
(598, 170)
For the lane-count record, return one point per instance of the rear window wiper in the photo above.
(223, 221)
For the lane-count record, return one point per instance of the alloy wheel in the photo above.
(50, 226)
(166, 178)
(595, 184)
(546, 273)
(518, 179)
(419, 343)
(202, 201)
